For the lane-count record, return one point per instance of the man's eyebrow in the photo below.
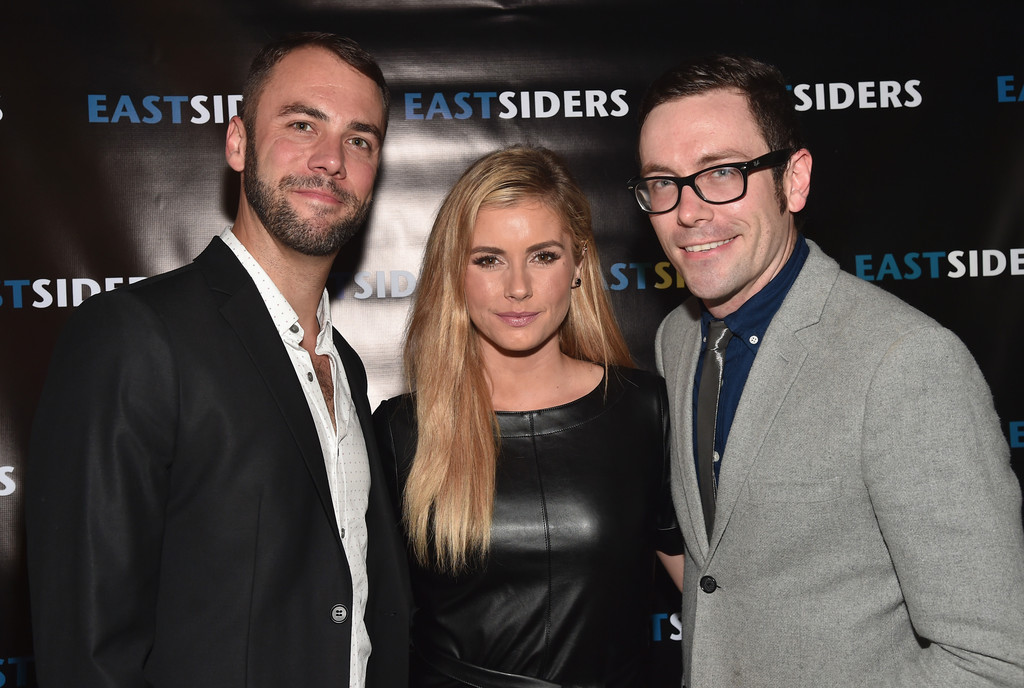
(367, 128)
(721, 158)
(300, 109)
(321, 116)
(703, 162)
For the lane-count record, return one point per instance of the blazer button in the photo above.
(708, 584)
(339, 614)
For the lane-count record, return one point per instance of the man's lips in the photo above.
(518, 319)
(320, 190)
(320, 195)
(700, 248)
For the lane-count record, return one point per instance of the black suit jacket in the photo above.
(180, 524)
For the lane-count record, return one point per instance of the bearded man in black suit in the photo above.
(205, 505)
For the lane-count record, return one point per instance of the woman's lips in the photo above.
(518, 319)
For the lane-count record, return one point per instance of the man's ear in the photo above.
(797, 180)
(234, 146)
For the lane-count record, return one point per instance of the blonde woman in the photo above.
(530, 461)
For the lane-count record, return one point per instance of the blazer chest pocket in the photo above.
(795, 491)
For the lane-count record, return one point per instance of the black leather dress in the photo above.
(582, 501)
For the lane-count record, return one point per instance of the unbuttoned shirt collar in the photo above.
(286, 321)
(750, 321)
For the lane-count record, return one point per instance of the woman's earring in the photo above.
(577, 283)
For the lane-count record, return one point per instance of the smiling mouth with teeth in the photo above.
(705, 247)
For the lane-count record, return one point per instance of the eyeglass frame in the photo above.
(764, 162)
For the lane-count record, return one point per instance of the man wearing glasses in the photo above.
(850, 514)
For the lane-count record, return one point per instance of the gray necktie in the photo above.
(707, 416)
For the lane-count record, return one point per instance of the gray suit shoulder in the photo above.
(851, 307)
(883, 307)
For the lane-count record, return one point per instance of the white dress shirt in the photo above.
(344, 449)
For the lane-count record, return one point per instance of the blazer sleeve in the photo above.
(948, 504)
(101, 446)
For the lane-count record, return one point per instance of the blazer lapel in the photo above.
(680, 365)
(385, 557)
(771, 377)
(244, 310)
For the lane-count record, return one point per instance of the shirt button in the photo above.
(339, 614)
(343, 533)
(753, 339)
(309, 376)
(708, 584)
(294, 329)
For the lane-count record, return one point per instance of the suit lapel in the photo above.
(681, 346)
(771, 377)
(770, 380)
(244, 310)
(380, 514)
(390, 593)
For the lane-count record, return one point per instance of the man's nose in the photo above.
(328, 157)
(692, 209)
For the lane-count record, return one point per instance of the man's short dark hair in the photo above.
(346, 50)
(771, 103)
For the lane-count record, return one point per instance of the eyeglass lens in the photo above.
(718, 185)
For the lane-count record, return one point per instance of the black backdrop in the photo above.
(112, 121)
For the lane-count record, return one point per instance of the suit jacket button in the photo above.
(339, 614)
(708, 584)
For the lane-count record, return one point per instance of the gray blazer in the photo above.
(868, 524)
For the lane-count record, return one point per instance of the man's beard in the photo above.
(313, 237)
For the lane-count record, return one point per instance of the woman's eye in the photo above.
(546, 257)
(485, 261)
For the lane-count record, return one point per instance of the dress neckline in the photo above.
(557, 418)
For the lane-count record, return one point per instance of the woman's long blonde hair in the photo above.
(449, 494)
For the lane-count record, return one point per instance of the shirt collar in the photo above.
(281, 312)
(749, 322)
